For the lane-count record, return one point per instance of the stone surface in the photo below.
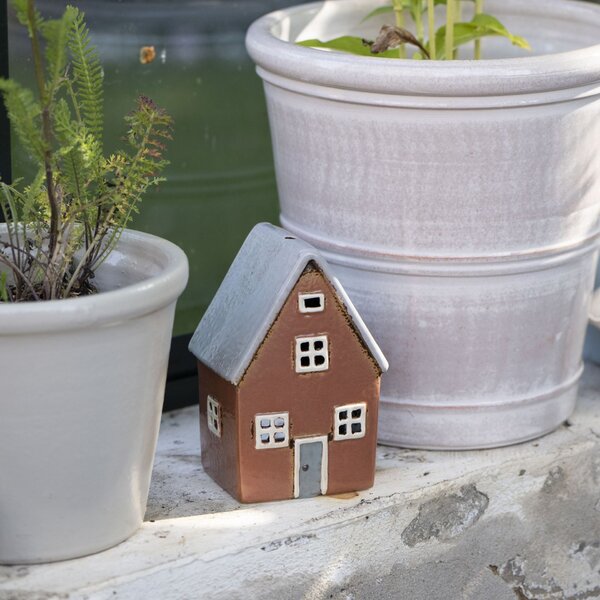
(515, 523)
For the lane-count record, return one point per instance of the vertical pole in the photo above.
(5, 163)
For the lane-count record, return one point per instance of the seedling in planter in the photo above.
(63, 223)
(443, 43)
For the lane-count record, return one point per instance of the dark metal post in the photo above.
(5, 163)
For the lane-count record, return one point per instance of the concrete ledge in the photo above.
(514, 523)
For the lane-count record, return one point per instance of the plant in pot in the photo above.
(458, 200)
(86, 308)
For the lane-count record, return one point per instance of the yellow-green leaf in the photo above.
(349, 44)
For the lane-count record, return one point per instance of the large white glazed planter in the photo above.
(82, 386)
(458, 202)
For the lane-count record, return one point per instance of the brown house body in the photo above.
(327, 442)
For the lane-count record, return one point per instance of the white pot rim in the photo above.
(148, 295)
(497, 77)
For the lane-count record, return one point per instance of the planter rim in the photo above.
(460, 78)
(105, 308)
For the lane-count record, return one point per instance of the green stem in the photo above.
(419, 22)
(478, 11)
(399, 11)
(450, 29)
(457, 19)
(431, 21)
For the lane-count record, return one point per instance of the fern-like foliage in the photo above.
(24, 112)
(87, 76)
(66, 221)
(57, 33)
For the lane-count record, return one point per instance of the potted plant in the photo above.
(86, 308)
(457, 199)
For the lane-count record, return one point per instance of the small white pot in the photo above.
(459, 203)
(81, 390)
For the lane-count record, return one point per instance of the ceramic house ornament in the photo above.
(289, 377)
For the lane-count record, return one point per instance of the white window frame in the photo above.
(311, 353)
(309, 309)
(349, 421)
(213, 413)
(271, 430)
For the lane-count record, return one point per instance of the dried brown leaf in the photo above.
(391, 37)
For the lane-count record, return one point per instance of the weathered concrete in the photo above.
(514, 523)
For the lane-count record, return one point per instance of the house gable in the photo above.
(291, 324)
(272, 384)
(251, 296)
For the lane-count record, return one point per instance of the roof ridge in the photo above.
(271, 260)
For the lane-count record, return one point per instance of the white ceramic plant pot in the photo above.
(459, 203)
(81, 390)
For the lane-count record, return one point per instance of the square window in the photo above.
(312, 354)
(272, 431)
(312, 302)
(350, 422)
(213, 416)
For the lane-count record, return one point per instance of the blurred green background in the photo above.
(221, 178)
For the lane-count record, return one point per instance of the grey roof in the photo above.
(253, 292)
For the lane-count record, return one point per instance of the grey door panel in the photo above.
(309, 475)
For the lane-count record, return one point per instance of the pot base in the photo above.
(470, 428)
(53, 556)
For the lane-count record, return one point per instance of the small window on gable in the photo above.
(213, 415)
(312, 354)
(350, 422)
(311, 303)
(272, 431)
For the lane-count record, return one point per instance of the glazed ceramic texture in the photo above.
(81, 397)
(459, 204)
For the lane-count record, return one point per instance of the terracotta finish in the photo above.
(271, 385)
(219, 455)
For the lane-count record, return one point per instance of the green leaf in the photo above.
(3, 287)
(23, 112)
(382, 10)
(22, 10)
(56, 33)
(494, 27)
(88, 76)
(349, 44)
(480, 26)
